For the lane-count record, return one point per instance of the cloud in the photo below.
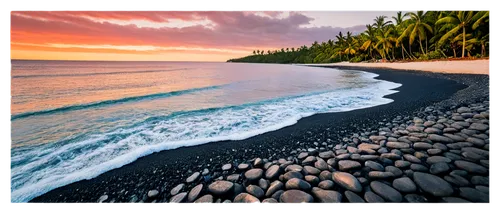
(238, 31)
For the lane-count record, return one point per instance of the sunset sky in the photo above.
(172, 36)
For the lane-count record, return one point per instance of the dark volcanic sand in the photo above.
(164, 170)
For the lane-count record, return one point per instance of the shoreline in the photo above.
(165, 169)
(477, 66)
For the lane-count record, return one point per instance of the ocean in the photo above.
(73, 120)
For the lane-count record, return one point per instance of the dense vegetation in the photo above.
(411, 36)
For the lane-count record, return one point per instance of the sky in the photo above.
(172, 36)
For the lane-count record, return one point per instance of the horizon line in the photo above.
(83, 60)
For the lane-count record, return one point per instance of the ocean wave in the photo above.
(112, 102)
(51, 166)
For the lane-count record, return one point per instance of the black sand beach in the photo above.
(164, 170)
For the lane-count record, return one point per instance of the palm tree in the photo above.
(350, 43)
(461, 20)
(380, 22)
(253, 52)
(340, 45)
(417, 27)
(370, 39)
(384, 43)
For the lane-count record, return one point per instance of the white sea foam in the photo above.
(51, 166)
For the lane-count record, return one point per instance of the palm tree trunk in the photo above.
(402, 51)
(482, 50)
(454, 53)
(463, 41)
(421, 48)
(426, 51)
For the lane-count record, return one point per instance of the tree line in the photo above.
(407, 36)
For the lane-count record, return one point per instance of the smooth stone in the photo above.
(474, 195)
(176, 189)
(437, 159)
(220, 187)
(347, 181)
(476, 141)
(439, 168)
(396, 171)
(431, 130)
(402, 164)
(311, 179)
(255, 191)
(299, 184)
(422, 146)
(380, 175)
(178, 198)
(456, 180)
(471, 167)
(245, 198)
(254, 174)
(439, 138)
(386, 192)
(194, 193)
(193, 177)
(273, 187)
(325, 175)
(294, 168)
(296, 196)
(371, 197)
(483, 189)
(414, 198)
(346, 165)
(353, 197)
(455, 200)
(369, 146)
(321, 164)
(302, 155)
(326, 155)
(258, 162)
(272, 172)
(480, 180)
(432, 184)
(269, 200)
(243, 166)
(226, 167)
(309, 160)
(479, 126)
(419, 168)
(104, 198)
(205, 199)
(326, 196)
(326, 184)
(233, 177)
(263, 183)
(392, 156)
(397, 145)
(404, 184)
(368, 157)
(277, 195)
(289, 175)
(311, 170)
(434, 151)
(412, 158)
(374, 165)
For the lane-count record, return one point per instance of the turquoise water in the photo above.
(76, 120)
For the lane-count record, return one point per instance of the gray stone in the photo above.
(269, 200)
(326, 196)
(258, 162)
(254, 174)
(309, 160)
(311, 179)
(347, 181)
(245, 198)
(374, 165)
(386, 192)
(439, 138)
(289, 175)
(456, 180)
(273, 187)
(272, 172)
(326, 184)
(412, 158)
(299, 184)
(233, 177)
(397, 145)
(346, 165)
(380, 175)
(438, 159)
(255, 191)
(371, 197)
(402, 164)
(479, 126)
(422, 146)
(176, 189)
(220, 187)
(226, 167)
(353, 197)
(205, 199)
(414, 198)
(404, 184)
(194, 193)
(309, 170)
(419, 168)
(369, 146)
(321, 164)
(396, 171)
(178, 198)
(474, 195)
(104, 198)
(471, 167)
(480, 180)
(432, 184)
(325, 175)
(243, 166)
(296, 196)
(294, 168)
(326, 155)
(263, 183)
(439, 168)
(193, 177)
